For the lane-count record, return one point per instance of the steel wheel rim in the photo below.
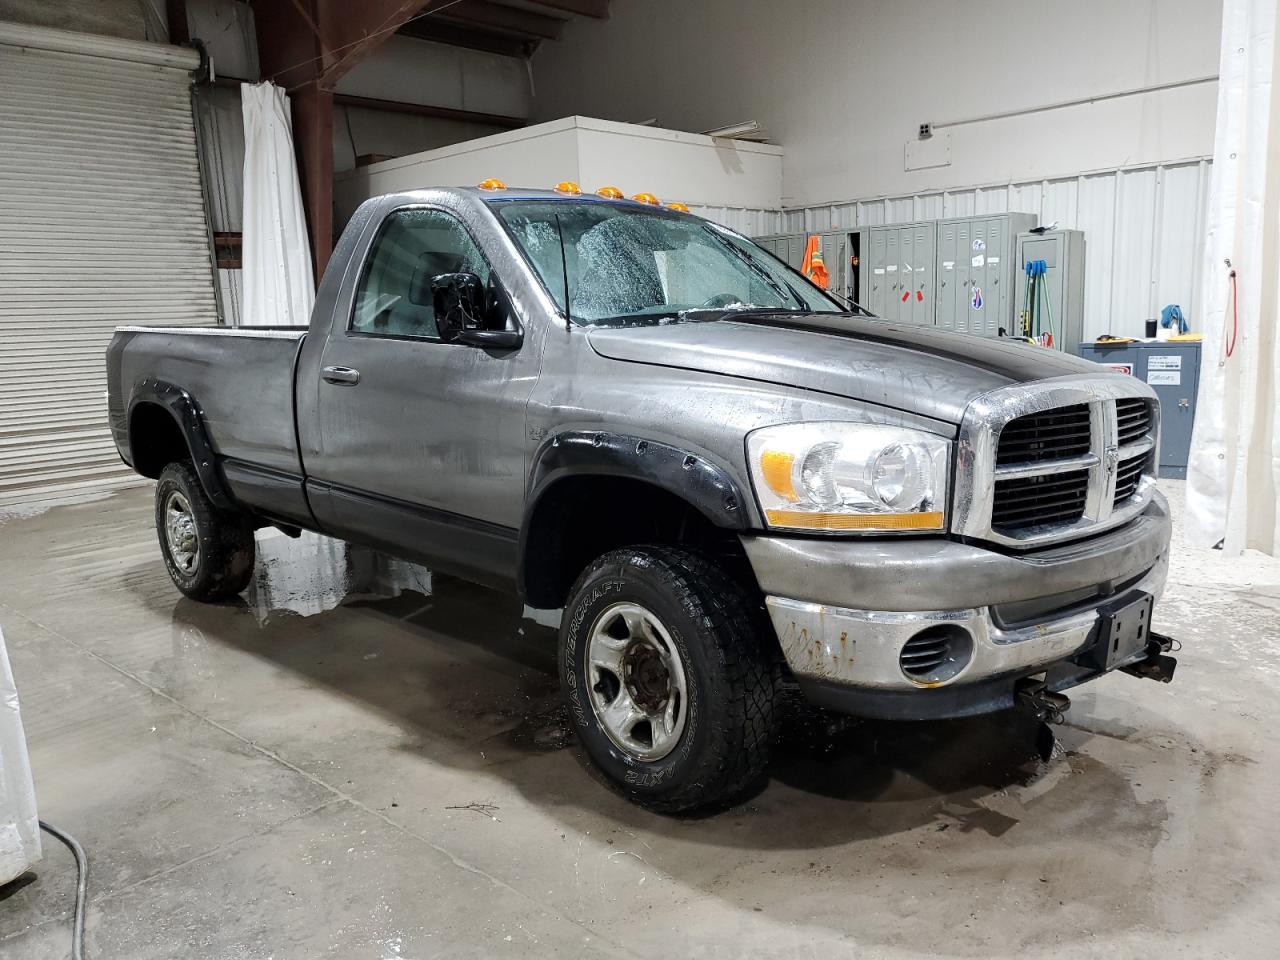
(180, 533)
(636, 681)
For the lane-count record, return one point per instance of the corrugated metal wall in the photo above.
(1144, 231)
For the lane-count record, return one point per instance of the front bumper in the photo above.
(843, 609)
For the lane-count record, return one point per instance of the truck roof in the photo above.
(530, 193)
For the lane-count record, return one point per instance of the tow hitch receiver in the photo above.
(1156, 665)
(1047, 705)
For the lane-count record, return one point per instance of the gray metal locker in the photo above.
(875, 279)
(835, 254)
(1063, 254)
(917, 297)
(976, 268)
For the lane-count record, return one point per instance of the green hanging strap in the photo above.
(1048, 304)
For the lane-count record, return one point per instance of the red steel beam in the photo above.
(306, 46)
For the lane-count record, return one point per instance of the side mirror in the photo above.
(461, 306)
(458, 299)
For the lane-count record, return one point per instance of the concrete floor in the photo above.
(355, 762)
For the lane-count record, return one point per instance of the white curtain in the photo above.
(278, 284)
(1234, 471)
(19, 825)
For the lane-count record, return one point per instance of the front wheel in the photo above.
(663, 662)
(209, 552)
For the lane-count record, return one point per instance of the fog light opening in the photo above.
(936, 654)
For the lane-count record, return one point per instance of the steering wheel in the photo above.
(722, 300)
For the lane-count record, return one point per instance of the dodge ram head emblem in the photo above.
(1110, 458)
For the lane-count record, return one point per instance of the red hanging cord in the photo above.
(1235, 314)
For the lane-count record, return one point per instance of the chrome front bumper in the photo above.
(843, 609)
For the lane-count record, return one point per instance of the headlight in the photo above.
(837, 476)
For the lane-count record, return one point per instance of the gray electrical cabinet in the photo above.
(1063, 254)
(1172, 370)
(976, 269)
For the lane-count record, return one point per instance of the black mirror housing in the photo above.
(459, 301)
(461, 306)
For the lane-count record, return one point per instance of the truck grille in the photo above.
(1062, 433)
(1035, 501)
(1128, 476)
(1133, 419)
(1048, 435)
(1057, 459)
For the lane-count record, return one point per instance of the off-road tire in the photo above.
(719, 628)
(224, 565)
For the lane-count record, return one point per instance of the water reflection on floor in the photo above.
(312, 574)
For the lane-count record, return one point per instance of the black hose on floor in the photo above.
(82, 887)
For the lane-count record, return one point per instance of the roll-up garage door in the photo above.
(101, 223)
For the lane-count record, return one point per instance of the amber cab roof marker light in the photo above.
(677, 205)
(568, 188)
(491, 183)
(648, 198)
(609, 193)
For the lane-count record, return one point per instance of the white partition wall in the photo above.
(700, 171)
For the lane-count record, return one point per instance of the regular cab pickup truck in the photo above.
(726, 481)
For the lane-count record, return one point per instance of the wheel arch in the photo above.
(592, 492)
(165, 424)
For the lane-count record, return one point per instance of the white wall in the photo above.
(673, 165)
(843, 85)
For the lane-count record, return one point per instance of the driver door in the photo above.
(422, 441)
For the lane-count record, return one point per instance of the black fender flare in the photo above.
(690, 476)
(701, 483)
(186, 413)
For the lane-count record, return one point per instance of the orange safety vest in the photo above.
(813, 267)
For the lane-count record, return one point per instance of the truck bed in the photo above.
(242, 378)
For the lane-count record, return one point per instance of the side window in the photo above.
(412, 249)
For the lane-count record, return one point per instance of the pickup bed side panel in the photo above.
(242, 384)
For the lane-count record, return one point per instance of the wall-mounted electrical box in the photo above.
(1060, 301)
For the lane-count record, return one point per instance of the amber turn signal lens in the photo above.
(609, 193)
(568, 187)
(854, 521)
(492, 183)
(648, 198)
(775, 467)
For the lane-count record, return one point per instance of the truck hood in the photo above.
(921, 370)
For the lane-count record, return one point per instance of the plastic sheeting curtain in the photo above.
(19, 824)
(278, 283)
(1234, 470)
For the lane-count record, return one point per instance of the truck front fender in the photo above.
(182, 407)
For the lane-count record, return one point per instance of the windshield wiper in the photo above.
(758, 270)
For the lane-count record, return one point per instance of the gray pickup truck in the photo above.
(729, 483)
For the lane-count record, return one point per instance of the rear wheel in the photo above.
(670, 688)
(209, 552)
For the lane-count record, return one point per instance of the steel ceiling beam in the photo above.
(460, 35)
(599, 9)
(494, 17)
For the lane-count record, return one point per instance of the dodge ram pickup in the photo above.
(723, 479)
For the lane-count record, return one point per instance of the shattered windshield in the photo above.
(632, 264)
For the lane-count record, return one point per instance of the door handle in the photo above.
(342, 375)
